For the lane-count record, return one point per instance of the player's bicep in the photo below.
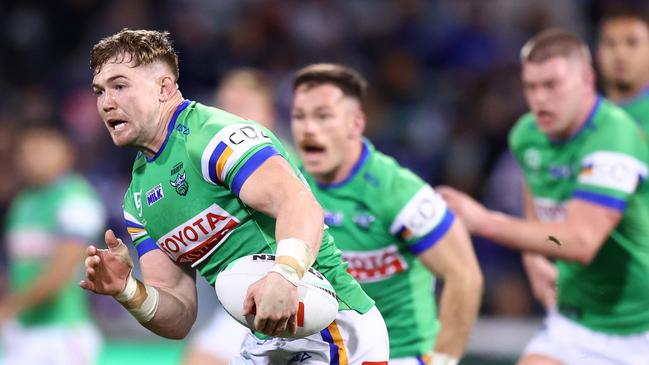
(453, 254)
(593, 222)
(271, 184)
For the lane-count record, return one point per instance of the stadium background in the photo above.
(444, 91)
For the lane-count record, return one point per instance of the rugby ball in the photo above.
(317, 308)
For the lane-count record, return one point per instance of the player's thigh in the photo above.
(363, 337)
(534, 359)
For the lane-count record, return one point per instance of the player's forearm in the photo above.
(173, 317)
(59, 272)
(43, 289)
(553, 239)
(301, 217)
(459, 307)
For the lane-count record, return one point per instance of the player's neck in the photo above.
(160, 134)
(619, 94)
(340, 174)
(584, 115)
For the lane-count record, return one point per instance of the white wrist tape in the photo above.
(438, 358)
(141, 305)
(296, 249)
(287, 272)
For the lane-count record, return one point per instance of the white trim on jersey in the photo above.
(226, 148)
(612, 170)
(420, 215)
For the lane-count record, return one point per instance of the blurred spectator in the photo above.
(50, 223)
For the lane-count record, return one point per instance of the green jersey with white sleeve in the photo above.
(382, 217)
(65, 211)
(604, 163)
(185, 201)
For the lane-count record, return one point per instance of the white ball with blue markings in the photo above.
(318, 304)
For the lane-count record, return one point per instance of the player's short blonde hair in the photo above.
(142, 46)
(552, 43)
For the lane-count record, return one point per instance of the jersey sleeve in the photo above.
(612, 165)
(234, 153)
(80, 217)
(419, 216)
(142, 242)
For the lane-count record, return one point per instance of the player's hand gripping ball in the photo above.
(318, 305)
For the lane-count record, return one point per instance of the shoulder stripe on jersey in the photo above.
(435, 235)
(218, 159)
(600, 199)
(146, 246)
(250, 166)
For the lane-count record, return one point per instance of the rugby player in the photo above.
(207, 188)
(395, 232)
(586, 206)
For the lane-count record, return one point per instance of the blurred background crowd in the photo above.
(443, 75)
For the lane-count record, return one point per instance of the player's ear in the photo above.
(358, 123)
(168, 87)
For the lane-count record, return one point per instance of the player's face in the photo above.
(555, 90)
(242, 101)
(623, 52)
(128, 100)
(42, 160)
(324, 128)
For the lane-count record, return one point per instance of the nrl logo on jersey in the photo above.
(333, 219)
(179, 179)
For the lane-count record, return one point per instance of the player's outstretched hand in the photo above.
(107, 269)
(274, 302)
(472, 213)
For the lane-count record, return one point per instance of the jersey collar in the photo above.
(170, 128)
(365, 153)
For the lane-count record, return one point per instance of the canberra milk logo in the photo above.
(333, 219)
(179, 179)
(155, 194)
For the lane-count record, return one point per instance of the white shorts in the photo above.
(222, 336)
(573, 344)
(50, 345)
(352, 338)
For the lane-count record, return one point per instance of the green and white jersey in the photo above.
(638, 108)
(604, 163)
(184, 200)
(40, 219)
(382, 216)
